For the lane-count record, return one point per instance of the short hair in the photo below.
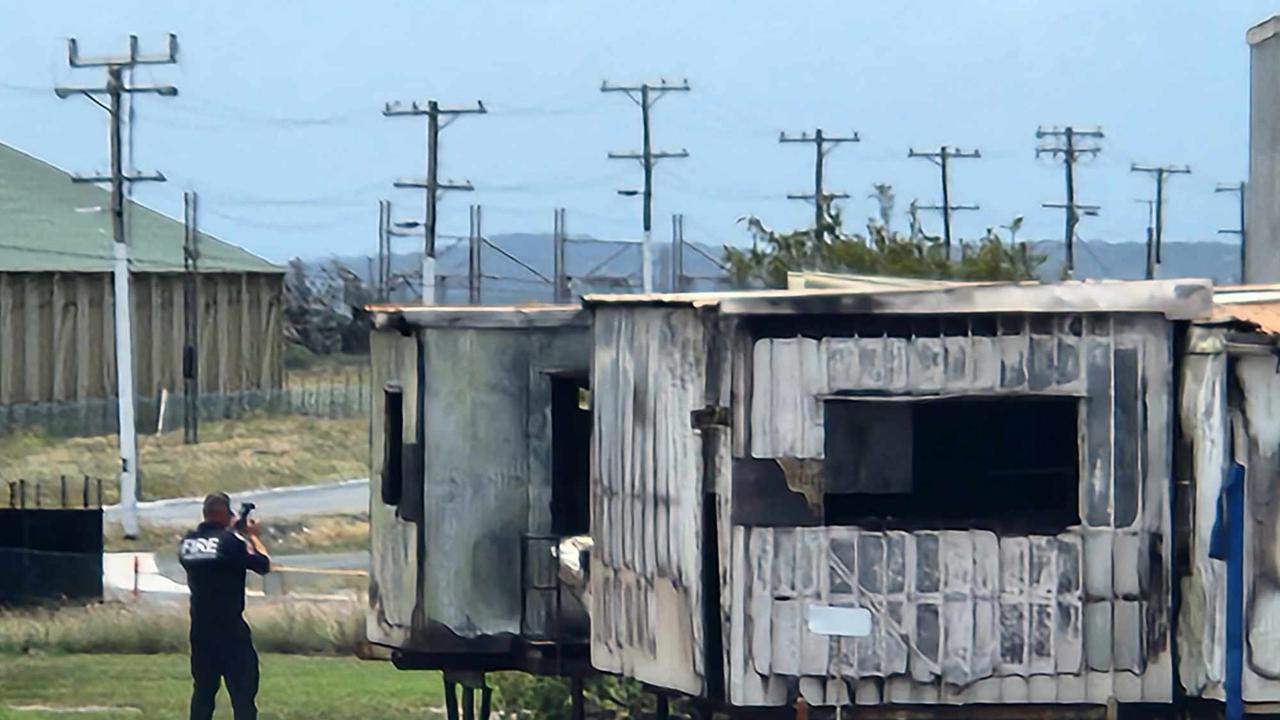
(215, 500)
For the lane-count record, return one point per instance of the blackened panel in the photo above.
(1042, 631)
(928, 573)
(1129, 436)
(1097, 425)
(761, 497)
(928, 631)
(1067, 369)
(871, 563)
(1040, 365)
(1013, 634)
(841, 563)
(867, 447)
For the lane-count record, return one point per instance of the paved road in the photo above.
(358, 560)
(348, 496)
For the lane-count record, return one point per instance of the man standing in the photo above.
(216, 557)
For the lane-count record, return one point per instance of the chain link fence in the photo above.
(337, 396)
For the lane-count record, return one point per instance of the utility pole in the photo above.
(384, 250)
(645, 95)
(940, 159)
(1238, 188)
(115, 90)
(820, 197)
(432, 184)
(1065, 145)
(1151, 237)
(677, 253)
(191, 322)
(475, 241)
(558, 241)
(1161, 173)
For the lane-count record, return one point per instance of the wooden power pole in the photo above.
(941, 158)
(1067, 144)
(1239, 189)
(1161, 173)
(645, 95)
(115, 89)
(432, 184)
(820, 197)
(191, 321)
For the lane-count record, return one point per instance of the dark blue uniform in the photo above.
(216, 559)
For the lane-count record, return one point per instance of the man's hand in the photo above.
(254, 541)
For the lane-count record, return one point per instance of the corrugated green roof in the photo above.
(48, 223)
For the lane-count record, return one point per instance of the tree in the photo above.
(323, 308)
(878, 252)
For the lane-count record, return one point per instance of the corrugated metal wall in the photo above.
(57, 344)
(971, 617)
(646, 504)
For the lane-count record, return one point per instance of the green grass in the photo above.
(142, 687)
(233, 455)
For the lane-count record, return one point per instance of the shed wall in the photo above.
(57, 334)
(488, 466)
(970, 616)
(393, 543)
(649, 374)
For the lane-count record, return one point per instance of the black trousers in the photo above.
(224, 653)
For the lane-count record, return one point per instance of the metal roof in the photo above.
(820, 280)
(49, 223)
(391, 317)
(1175, 299)
(1255, 305)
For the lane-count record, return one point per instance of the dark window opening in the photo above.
(570, 455)
(1004, 464)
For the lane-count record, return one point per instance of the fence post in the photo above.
(99, 492)
(22, 493)
(13, 493)
(86, 491)
(39, 486)
(64, 491)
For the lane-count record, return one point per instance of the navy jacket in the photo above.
(216, 559)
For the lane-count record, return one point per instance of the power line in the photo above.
(1160, 173)
(1239, 188)
(432, 184)
(645, 95)
(820, 197)
(1064, 145)
(940, 159)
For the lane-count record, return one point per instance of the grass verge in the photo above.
(233, 455)
(320, 534)
(335, 628)
(143, 687)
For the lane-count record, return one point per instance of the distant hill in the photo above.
(603, 266)
(1219, 262)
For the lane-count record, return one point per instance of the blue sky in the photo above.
(278, 123)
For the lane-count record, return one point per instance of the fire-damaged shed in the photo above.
(986, 469)
(480, 445)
